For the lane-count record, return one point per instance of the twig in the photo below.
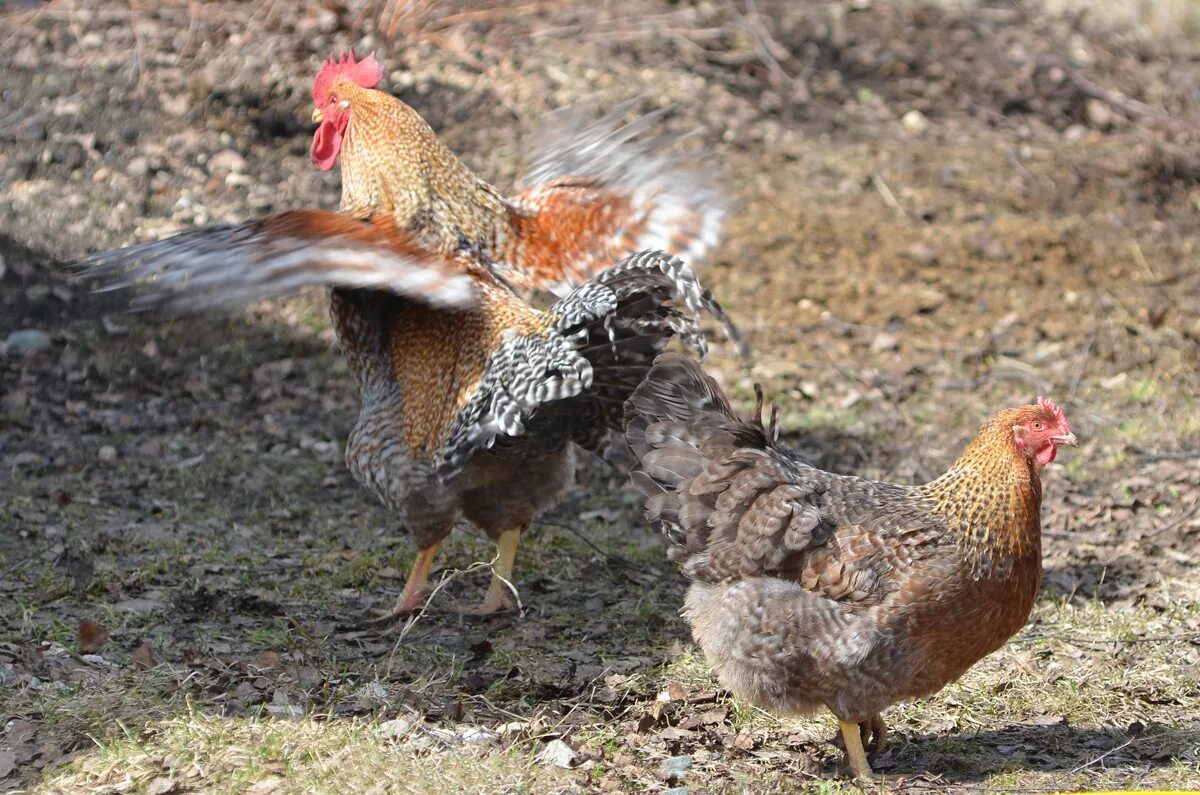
(1184, 637)
(616, 561)
(886, 194)
(1126, 104)
(138, 69)
(763, 42)
(1109, 752)
(1188, 514)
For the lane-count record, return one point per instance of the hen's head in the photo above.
(1039, 429)
(332, 111)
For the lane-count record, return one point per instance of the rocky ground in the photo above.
(938, 210)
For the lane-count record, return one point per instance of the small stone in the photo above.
(26, 342)
(558, 754)
(1099, 114)
(921, 253)
(107, 453)
(885, 341)
(138, 167)
(161, 786)
(477, 736)
(915, 122)
(1075, 133)
(675, 767)
(390, 729)
(226, 161)
(31, 130)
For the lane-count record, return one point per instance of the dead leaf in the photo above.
(91, 637)
(268, 660)
(673, 692)
(8, 762)
(143, 656)
(161, 786)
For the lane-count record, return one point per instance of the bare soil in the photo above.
(937, 210)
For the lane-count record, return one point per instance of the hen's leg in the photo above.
(499, 597)
(856, 757)
(878, 731)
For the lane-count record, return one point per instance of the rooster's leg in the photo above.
(499, 595)
(412, 598)
(856, 757)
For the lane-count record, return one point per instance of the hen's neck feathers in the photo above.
(992, 496)
(391, 160)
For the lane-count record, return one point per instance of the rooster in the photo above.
(809, 588)
(593, 195)
(471, 398)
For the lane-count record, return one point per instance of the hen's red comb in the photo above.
(366, 73)
(1050, 406)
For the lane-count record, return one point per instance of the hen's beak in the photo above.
(318, 116)
(1067, 438)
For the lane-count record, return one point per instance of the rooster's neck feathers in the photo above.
(392, 161)
(992, 496)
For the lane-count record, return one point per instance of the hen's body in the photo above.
(810, 588)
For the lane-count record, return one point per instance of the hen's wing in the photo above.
(230, 264)
(737, 506)
(571, 380)
(596, 192)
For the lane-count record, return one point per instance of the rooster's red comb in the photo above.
(366, 73)
(1052, 408)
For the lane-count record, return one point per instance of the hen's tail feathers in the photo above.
(572, 381)
(234, 264)
(600, 190)
(687, 440)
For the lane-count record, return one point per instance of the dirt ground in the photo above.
(937, 210)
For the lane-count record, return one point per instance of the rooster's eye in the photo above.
(1037, 425)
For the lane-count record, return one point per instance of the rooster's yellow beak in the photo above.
(318, 116)
(1068, 438)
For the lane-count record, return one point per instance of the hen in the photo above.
(594, 194)
(809, 588)
(470, 397)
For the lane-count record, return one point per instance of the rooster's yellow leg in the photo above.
(856, 757)
(413, 595)
(499, 596)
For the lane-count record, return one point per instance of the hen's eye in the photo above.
(1037, 425)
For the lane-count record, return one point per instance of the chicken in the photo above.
(809, 588)
(593, 194)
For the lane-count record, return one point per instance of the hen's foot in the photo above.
(856, 757)
(874, 734)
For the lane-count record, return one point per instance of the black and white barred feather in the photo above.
(571, 382)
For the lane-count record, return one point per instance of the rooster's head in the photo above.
(332, 111)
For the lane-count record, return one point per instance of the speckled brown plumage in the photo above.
(810, 588)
